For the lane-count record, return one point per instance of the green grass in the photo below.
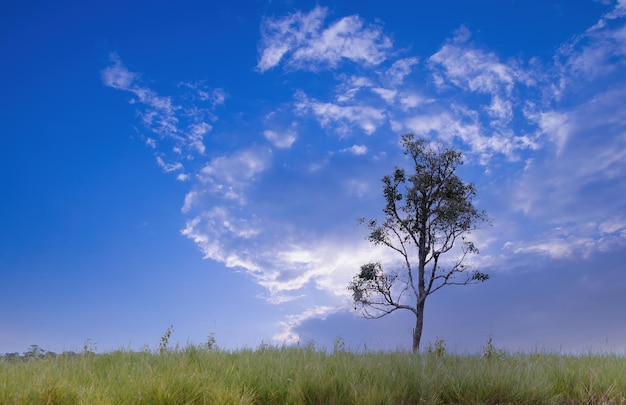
(274, 375)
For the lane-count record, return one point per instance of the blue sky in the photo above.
(202, 165)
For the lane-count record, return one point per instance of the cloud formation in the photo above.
(304, 43)
(282, 212)
(182, 127)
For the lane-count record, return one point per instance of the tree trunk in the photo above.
(419, 325)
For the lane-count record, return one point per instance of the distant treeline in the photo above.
(35, 352)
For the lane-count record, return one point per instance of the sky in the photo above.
(202, 165)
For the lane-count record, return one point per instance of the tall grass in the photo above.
(282, 375)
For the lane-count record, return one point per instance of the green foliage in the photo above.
(89, 348)
(211, 343)
(428, 213)
(34, 352)
(478, 276)
(287, 375)
(165, 340)
(11, 357)
(366, 283)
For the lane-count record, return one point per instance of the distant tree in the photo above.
(11, 357)
(34, 352)
(71, 354)
(426, 213)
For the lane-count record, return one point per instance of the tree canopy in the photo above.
(427, 212)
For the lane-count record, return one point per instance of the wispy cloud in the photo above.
(281, 140)
(341, 118)
(350, 86)
(182, 125)
(157, 113)
(598, 52)
(575, 188)
(575, 241)
(216, 232)
(288, 334)
(279, 257)
(229, 175)
(303, 41)
(400, 69)
(356, 149)
(168, 167)
(236, 169)
(461, 65)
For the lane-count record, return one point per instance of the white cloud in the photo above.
(228, 176)
(408, 101)
(346, 39)
(182, 177)
(351, 86)
(617, 12)
(216, 230)
(367, 118)
(500, 109)
(190, 200)
(327, 263)
(471, 69)
(556, 126)
(386, 94)
(590, 154)
(202, 92)
(613, 225)
(168, 167)
(358, 188)
(301, 39)
(282, 140)
(218, 97)
(465, 125)
(195, 136)
(600, 51)
(182, 126)
(159, 114)
(356, 149)
(237, 168)
(556, 249)
(281, 35)
(117, 76)
(578, 186)
(575, 240)
(288, 335)
(400, 69)
(289, 262)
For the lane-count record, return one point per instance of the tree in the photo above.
(34, 352)
(426, 213)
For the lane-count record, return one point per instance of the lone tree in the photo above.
(426, 213)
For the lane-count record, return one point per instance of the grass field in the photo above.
(282, 375)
